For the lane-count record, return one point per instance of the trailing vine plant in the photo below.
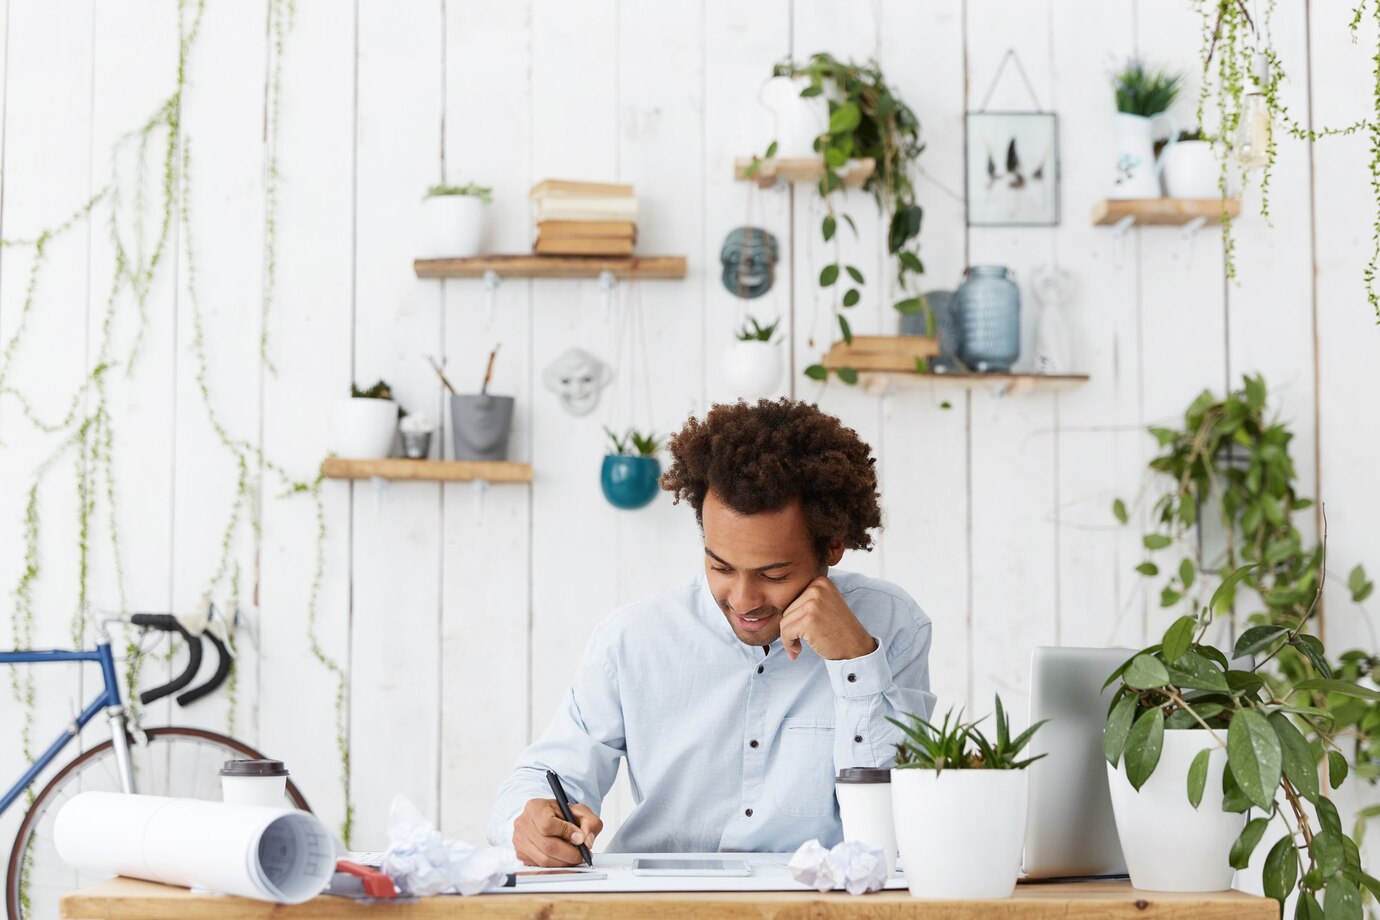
(867, 119)
(86, 434)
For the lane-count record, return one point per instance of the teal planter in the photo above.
(630, 482)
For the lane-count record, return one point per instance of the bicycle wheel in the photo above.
(181, 762)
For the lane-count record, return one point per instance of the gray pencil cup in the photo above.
(480, 424)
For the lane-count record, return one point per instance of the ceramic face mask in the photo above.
(749, 258)
(577, 377)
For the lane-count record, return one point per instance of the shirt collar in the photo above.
(710, 609)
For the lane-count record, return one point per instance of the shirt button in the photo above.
(857, 739)
(748, 812)
(852, 678)
(760, 669)
(752, 743)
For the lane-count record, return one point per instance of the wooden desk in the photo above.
(126, 899)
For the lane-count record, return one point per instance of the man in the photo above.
(736, 697)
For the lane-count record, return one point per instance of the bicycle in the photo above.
(171, 760)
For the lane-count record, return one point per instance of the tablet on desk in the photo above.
(661, 865)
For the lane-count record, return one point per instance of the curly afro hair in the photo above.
(763, 457)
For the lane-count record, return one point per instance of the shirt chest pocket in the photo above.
(804, 775)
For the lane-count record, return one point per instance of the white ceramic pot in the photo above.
(960, 832)
(1190, 170)
(1137, 173)
(752, 369)
(363, 429)
(798, 121)
(454, 227)
(1168, 844)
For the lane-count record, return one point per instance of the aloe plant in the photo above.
(633, 443)
(958, 745)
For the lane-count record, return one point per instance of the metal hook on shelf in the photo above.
(1120, 230)
(1186, 235)
(380, 485)
(608, 282)
(481, 490)
(491, 283)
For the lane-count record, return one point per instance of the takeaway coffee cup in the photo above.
(865, 807)
(254, 782)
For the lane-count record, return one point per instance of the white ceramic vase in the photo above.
(1137, 173)
(798, 121)
(752, 369)
(1168, 844)
(362, 428)
(960, 832)
(454, 227)
(1190, 170)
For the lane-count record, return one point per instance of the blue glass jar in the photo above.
(988, 308)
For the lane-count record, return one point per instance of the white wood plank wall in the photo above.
(456, 618)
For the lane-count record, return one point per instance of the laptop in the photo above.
(1070, 831)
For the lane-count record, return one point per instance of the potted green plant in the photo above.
(959, 804)
(631, 472)
(866, 118)
(752, 362)
(455, 220)
(364, 425)
(1143, 96)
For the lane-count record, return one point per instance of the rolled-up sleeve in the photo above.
(582, 744)
(891, 682)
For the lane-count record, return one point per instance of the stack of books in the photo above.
(584, 218)
(882, 352)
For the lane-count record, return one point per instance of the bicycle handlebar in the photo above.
(168, 623)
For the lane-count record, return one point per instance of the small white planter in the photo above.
(798, 120)
(1168, 844)
(960, 832)
(753, 368)
(1190, 170)
(454, 227)
(362, 428)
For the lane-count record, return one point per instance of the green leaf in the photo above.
(1233, 799)
(1244, 681)
(1255, 391)
(1359, 586)
(848, 375)
(1119, 511)
(1299, 765)
(1336, 769)
(1308, 907)
(1118, 727)
(1194, 672)
(1254, 757)
(1169, 597)
(1371, 883)
(846, 330)
(1225, 594)
(845, 118)
(830, 225)
(816, 372)
(771, 151)
(852, 297)
(835, 156)
(1186, 574)
(1327, 852)
(1328, 817)
(1312, 648)
(813, 89)
(855, 274)
(909, 306)
(1345, 688)
(1197, 777)
(1143, 744)
(1273, 508)
(1245, 844)
(911, 261)
(849, 221)
(1145, 672)
(1257, 639)
(1156, 541)
(828, 275)
(1165, 436)
(1343, 901)
(1178, 637)
(1148, 569)
(1281, 869)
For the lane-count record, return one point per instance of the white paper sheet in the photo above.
(769, 873)
(271, 854)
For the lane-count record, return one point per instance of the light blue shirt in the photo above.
(727, 749)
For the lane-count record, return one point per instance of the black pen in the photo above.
(564, 802)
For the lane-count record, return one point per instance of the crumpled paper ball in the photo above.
(855, 865)
(423, 863)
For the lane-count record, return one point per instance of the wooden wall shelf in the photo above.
(1172, 212)
(531, 266)
(427, 470)
(807, 169)
(885, 382)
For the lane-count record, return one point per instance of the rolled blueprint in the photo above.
(271, 854)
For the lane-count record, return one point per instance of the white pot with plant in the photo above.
(799, 120)
(1190, 168)
(959, 804)
(1143, 97)
(363, 427)
(752, 363)
(455, 220)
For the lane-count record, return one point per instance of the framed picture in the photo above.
(1012, 165)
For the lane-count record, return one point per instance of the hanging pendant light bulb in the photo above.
(1253, 129)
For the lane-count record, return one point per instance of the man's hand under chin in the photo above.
(821, 618)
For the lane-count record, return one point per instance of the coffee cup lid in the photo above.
(864, 775)
(253, 768)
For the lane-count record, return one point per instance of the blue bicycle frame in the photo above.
(108, 699)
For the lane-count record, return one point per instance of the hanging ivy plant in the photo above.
(867, 119)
